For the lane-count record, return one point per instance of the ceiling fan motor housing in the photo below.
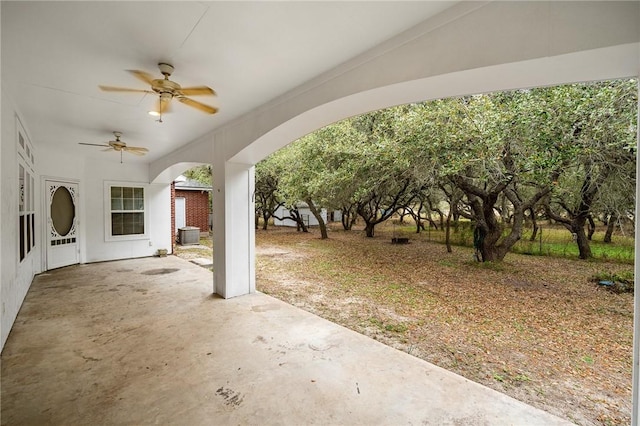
(165, 69)
(161, 86)
(117, 145)
(164, 86)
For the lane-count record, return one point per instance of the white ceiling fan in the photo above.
(118, 145)
(166, 90)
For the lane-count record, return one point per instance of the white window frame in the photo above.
(26, 193)
(107, 211)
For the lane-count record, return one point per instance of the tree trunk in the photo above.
(456, 220)
(582, 240)
(441, 219)
(534, 222)
(591, 226)
(353, 220)
(488, 238)
(489, 254)
(431, 222)
(346, 223)
(504, 210)
(447, 234)
(317, 214)
(348, 218)
(611, 224)
(369, 229)
(265, 218)
(402, 213)
(417, 217)
(300, 225)
(489, 250)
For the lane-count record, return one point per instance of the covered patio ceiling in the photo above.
(55, 54)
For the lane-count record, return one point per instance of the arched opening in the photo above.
(393, 286)
(192, 212)
(190, 206)
(431, 62)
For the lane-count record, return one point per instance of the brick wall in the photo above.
(197, 208)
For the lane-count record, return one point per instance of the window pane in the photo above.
(33, 226)
(116, 224)
(131, 201)
(32, 195)
(116, 192)
(139, 223)
(127, 223)
(22, 245)
(27, 192)
(116, 204)
(21, 188)
(28, 233)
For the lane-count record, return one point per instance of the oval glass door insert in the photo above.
(62, 211)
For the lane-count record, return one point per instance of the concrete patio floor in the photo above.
(143, 341)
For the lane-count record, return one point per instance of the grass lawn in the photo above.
(536, 328)
(551, 240)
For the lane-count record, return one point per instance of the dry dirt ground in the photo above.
(534, 328)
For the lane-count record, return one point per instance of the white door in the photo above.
(63, 241)
(181, 213)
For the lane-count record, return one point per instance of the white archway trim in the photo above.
(480, 40)
(472, 47)
(598, 64)
(169, 167)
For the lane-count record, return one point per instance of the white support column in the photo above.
(635, 409)
(233, 229)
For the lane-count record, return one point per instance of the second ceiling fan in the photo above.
(166, 90)
(119, 146)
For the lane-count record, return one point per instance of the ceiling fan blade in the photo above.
(195, 104)
(122, 89)
(92, 144)
(109, 149)
(136, 150)
(143, 76)
(196, 91)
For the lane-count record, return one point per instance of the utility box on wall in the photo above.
(189, 235)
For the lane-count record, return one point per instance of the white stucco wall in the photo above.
(16, 276)
(91, 176)
(158, 203)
